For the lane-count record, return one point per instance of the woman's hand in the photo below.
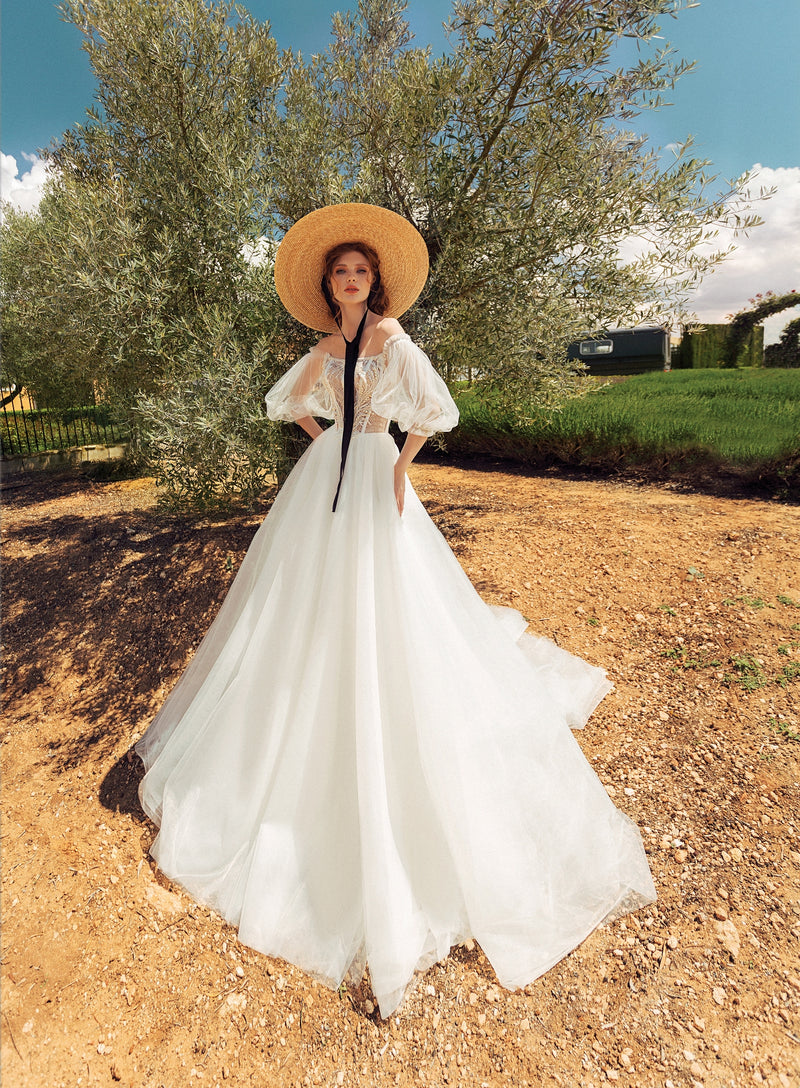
(399, 486)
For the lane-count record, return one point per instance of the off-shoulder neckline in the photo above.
(362, 358)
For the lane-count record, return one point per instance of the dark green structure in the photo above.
(624, 351)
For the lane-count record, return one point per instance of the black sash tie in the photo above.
(349, 380)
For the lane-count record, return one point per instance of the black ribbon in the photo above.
(349, 380)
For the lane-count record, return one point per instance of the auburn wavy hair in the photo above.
(378, 300)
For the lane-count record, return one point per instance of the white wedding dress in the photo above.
(364, 762)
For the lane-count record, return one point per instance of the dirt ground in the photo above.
(692, 603)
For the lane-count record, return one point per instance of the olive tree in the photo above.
(143, 265)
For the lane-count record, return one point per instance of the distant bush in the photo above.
(708, 346)
(786, 353)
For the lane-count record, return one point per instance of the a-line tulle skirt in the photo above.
(365, 763)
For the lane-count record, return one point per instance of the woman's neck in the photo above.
(350, 316)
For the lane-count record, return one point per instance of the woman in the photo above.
(364, 762)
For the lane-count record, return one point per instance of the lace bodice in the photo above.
(399, 383)
(369, 370)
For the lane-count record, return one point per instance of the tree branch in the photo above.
(11, 396)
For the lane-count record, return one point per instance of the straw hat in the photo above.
(300, 259)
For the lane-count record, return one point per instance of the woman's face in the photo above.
(351, 278)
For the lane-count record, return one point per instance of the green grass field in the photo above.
(739, 418)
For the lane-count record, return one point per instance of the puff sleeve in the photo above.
(411, 392)
(300, 392)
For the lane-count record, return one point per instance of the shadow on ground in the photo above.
(104, 612)
(119, 790)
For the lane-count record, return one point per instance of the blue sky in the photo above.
(47, 82)
(739, 104)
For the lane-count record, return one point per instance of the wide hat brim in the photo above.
(300, 259)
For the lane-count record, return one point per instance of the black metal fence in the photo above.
(26, 430)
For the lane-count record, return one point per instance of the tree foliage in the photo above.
(509, 153)
(786, 352)
(140, 280)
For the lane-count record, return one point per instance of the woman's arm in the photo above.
(313, 371)
(310, 426)
(411, 447)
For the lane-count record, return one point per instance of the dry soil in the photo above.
(692, 603)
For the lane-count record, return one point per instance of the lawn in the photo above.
(747, 418)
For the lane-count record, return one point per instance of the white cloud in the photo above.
(766, 259)
(22, 191)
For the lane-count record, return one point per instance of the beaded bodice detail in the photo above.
(369, 369)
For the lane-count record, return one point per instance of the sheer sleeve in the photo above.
(411, 391)
(301, 392)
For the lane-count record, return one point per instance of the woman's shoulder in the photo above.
(327, 345)
(386, 329)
